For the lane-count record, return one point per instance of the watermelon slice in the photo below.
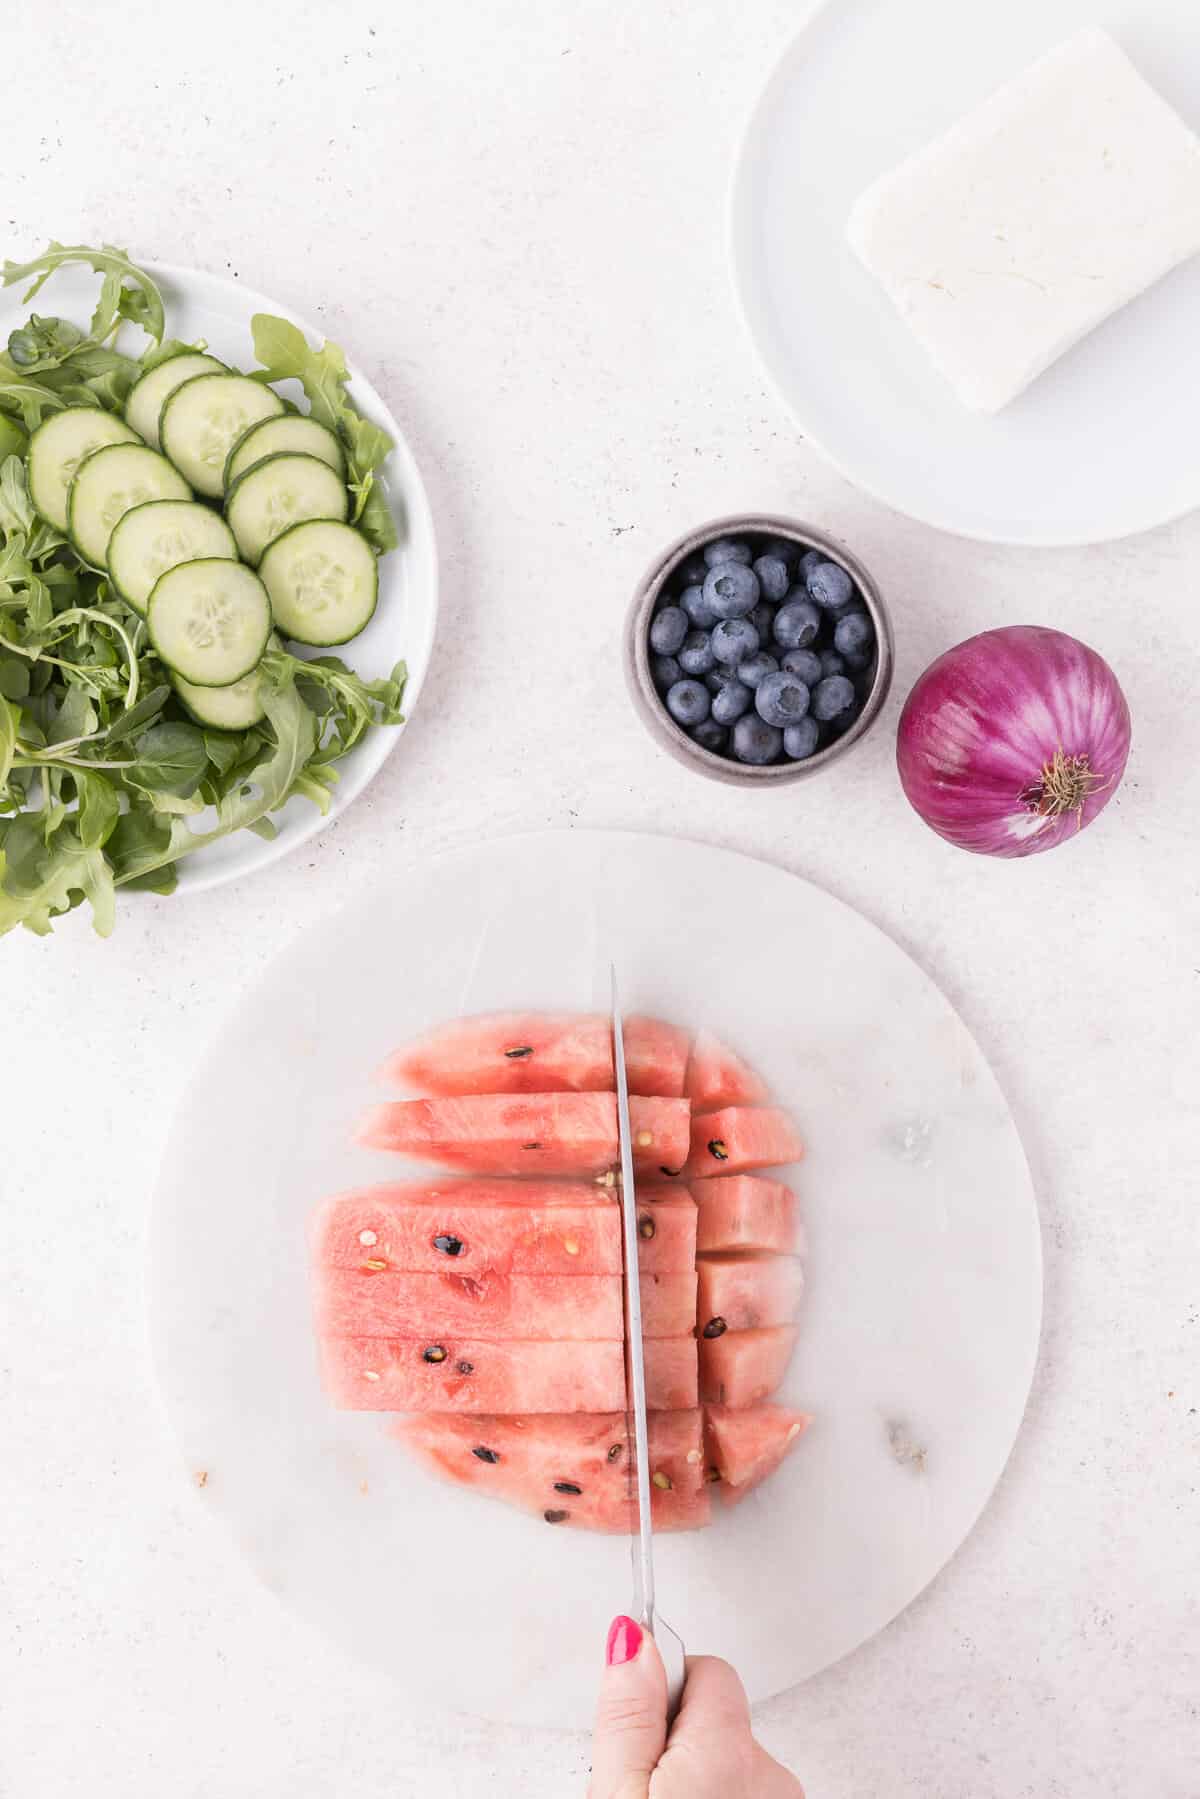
(740, 1368)
(744, 1292)
(746, 1212)
(531, 1134)
(540, 1052)
(460, 1374)
(482, 1226)
(666, 1229)
(744, 1447)
(377, 1301)
(716, 1077)
(740, 1139)
(574, 1469)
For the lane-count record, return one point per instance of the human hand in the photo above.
(709, 1753)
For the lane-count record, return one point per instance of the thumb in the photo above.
(631, 1717)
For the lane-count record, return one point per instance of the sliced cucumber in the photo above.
(233, 708)
(107, 484)
(204, 417)
(59, 445)
(294, 431)
(146, 397)
(209, 620)
(158, 535)
(323, 580)
(279, 492)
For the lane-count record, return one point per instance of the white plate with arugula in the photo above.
(110, 782)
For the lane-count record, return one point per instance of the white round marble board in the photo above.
(1100, 446)
(920, 1324)
(209, 307)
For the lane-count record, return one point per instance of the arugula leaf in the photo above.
(99, 808)
(171, 759)
(126, 291)
(40, 880)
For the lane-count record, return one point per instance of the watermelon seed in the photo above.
(374, 1265)
(466, 1367)
(693, 1456)
(712, 1475)
(555, 1517)
(644, 1139)
(449, 1246)
(531, 1146)
(370, 1374)
(570, 1245)
(368, 1239)
(614, 1454)
(487, 1455)
(522, 1050)
(567, 1486)
(645, 1226)
(662, 1481)
(435, 1353)
(717, 1148)
(716, 1327)
(669, 1172)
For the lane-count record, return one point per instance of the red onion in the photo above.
(1013, 741)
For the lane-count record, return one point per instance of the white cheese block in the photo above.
(1031, 220)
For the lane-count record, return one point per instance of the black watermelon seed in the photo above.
(614, 1454)
(671, 1172)
(435, 1353)
(712, 1475)
(466, 1367)
(717, 1148)
(487, 1455)
(565, 1486)
(555, 1517)
(522, 1050)
(716, 1327)
(645, 1226)
(531, 1146)
(449, 1246)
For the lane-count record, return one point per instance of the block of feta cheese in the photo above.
(1027, 223)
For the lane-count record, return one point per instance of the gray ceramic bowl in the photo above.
(653, 713)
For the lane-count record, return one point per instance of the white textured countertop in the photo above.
(513, 217)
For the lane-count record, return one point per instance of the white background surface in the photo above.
(514, 215)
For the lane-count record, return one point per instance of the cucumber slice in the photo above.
(107, 484)
(323, 580)
(209, 620)
(204, 417)
(59, 445)
(279, 492)
(232, 708)
(294, 431)
(158, 535)
(147, 396)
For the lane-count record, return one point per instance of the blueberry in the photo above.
(693, 571)
(755, 668)
(832, 697)
(804, 664)
(756, 741)
(772, 577)
(853, 633)
(666, 672)
(668, 629)
(733, 641)
(730, 701)
(800, 740)
(695, 655)
(831, 664)
(783, 549)
(796, 624)
(688, 702)
(829, 584)
(716, 678)
(727, 549)
(731, 590)
(697, 607)
(859, 661)
(781, 699)
(809, 561)
(710, 736)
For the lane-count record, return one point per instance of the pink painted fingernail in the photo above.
(624, 1641)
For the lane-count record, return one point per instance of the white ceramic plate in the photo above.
(1098, 448)
(920, 1324)
(199, 305)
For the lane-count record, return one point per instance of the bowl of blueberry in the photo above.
(758, 650)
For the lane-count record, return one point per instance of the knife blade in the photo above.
(642, 1540)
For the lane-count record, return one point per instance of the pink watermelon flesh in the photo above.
(666, 1229)
(375, 1301)
(744, 1447)
(532, 1134)
(573, 1469)
(746, 1292)
(716, 1077)
(741, 1368)
(482, 1226)
(744, 1211)
(740, 1139)
(392, 1374)
(540, 1052)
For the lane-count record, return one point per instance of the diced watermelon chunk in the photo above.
(666, 1229)
(739, 1139)
(531, 1134)
(395, 1374)
(716, 1077)
(668, 1304)
(486, 1226)
(740, 1368)
(540, 1052)
(375, 1301)
(744, 1447)
(744, 1292)
(574, 1469)
(744, 1211)
(672, 1376)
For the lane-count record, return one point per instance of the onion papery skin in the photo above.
(989, 720)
